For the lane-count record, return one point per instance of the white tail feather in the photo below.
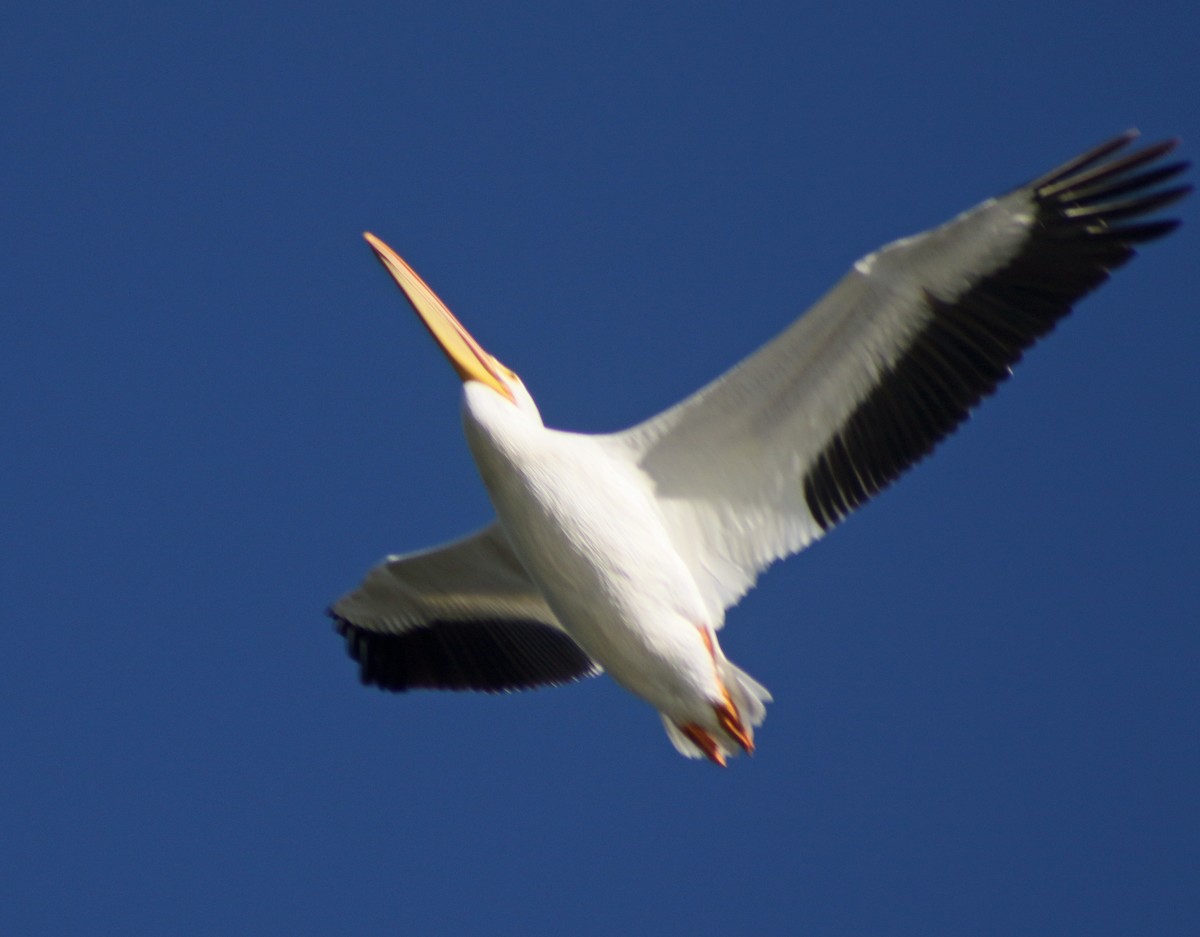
(749, 696)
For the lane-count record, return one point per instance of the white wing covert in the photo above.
(768, 457)
(463, 616)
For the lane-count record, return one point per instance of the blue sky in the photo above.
(218, 412)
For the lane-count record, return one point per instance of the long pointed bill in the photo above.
(470, 361)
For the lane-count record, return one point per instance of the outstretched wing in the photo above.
(774, 453)
(463, 616)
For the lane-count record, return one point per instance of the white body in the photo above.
(583, 520)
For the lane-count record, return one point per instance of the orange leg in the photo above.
(731, 722)
(705, 742)
(727, 713)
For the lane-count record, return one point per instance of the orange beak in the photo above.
(466, 355)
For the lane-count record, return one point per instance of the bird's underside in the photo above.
(751, 468)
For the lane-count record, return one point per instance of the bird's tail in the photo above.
(748, 695)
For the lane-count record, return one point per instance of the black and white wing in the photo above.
(463, 616)
(774, 453)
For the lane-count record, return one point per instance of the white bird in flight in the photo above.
(623, 552)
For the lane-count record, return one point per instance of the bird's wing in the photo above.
(463, 616)
(774, 453)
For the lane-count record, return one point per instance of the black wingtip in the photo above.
(492, 656)
(1088, 158)
(1088, 220)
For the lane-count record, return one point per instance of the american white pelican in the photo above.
(623, 552)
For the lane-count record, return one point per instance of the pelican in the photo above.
(623, 552)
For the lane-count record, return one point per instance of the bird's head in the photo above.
(466, 355)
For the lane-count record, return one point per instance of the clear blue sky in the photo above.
(218, 412)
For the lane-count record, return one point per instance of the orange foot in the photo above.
(705, 742)
(731, 722)
(727, 712)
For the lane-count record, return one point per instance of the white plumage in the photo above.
(623, 552)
